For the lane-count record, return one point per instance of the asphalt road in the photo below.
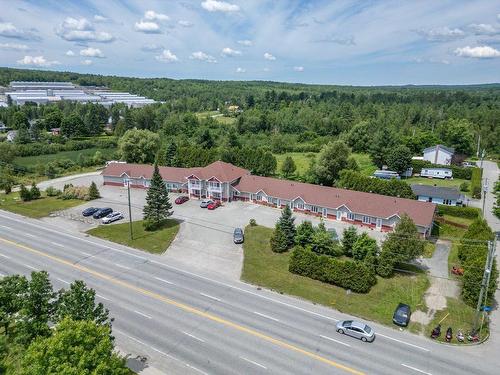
(198, 323)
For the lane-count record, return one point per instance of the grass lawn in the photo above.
(225, 120)
(31, 161)
(155, 242)
(263, 267)
(366, 166)
(36, 208)
(301, 159)
(455, 183)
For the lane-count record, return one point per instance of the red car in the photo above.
(181, 199)
(214, 205)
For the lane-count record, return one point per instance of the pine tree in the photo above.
(157, 208)
(286, 224)
(305, 233)
(279, 241)
(171, 157)
(93, 191)
(349, 237)
(34, 191)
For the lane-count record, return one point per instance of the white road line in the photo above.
(254, 363)
(196, 369)
(6, 227)
(98, 295)
(4, 256)
(209, 296)
(403, 342)
(121, 266)
(57, 244)
(164, 281)
(29, 235)
(332, 339)
(144, 315)
(193, 336)
(86, 254)
(266, 316)
(416, 369)
(31, 267)
(63, 281)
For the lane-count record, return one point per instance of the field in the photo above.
(36, 208)
(155, 242)
(365, 164)
(219, 117)
(263, 267)
(31, 161)
(301, 160)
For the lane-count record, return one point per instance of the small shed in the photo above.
(439, 154)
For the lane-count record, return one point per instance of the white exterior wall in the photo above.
(443, 157)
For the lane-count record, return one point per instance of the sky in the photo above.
(325, 42)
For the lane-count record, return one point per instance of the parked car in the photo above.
(102, 212)
(356, 329)
(205, 202)
(402, 315)
(214, 205)
(238, 236)
(89, 211)
(113, 216)
(182, 199)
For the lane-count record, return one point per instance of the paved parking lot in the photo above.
(204, 240)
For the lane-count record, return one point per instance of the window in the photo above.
(269, 199)
(299, 205)
(366, 219)
(314, 209)
(215, 185)
(351, 216)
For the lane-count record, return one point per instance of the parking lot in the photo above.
(205, 238)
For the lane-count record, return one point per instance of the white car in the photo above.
(114, 216)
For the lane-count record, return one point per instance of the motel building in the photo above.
(227, 182)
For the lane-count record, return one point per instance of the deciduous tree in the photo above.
(139, 146)
(331, 160)
(288, 167)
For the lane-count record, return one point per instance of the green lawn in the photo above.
(366, 166)
(455, 183)
(225, 120)
(31, 161)
(155, 242)
(301, 159)
(263, 267)
(36, 208)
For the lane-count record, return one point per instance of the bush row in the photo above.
(458, 172)
(33, 149)
(475, 183)
(356, 181)
(347, 274)
(464, 212)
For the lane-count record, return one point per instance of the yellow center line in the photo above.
(187, 308)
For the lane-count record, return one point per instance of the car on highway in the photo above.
(102, 212)
(238, 236)
(182, 199)
(402, 315)
(214, 205)
(113, 216)
(89, 211)
(356, 329)
(205, 202)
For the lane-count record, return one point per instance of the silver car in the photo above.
(205, 202)
(356, 329)
(114, 216)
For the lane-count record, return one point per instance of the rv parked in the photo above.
(436, 173)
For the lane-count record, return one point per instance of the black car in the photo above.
(238, 236)
(102, 212)
(402, 315)
(90, 211)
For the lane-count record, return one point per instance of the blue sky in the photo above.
(335, 42)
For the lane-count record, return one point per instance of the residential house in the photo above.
(439, 154)
(438, 194)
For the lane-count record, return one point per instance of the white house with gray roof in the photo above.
(438, 194)
(439, 154)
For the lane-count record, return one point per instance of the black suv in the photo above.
(402, 315)
(90, 211)
(102, 212)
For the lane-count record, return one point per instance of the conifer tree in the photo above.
(278, 241)
(158, 206)
(34, 191)
(283, 237)
(93, 191)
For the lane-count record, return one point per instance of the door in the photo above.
(339, 214)
(354, 332)
(379, 223)
(325, 212)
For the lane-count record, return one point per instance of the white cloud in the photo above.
(342, 40)
(230, 52)
(37, 61)
(298, 68)
(70, 53)
(266, 70)
(219, 6)
(480, 52)
(246, 42)
(167, 56)
(9, 30)
(91, 52)
(152, 47)
(151, 15)
(202, 56)
(147, 27)
(87, 62)
(98, 18)
(484, 29)
(442, 34)
(269, 57)
(14, 46)
(82, 30)
(185, 23)
(240, 70)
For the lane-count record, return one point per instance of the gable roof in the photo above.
(436, 191)
(450, 150)
(370, 204)
(222, 171)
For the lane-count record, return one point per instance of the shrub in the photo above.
(76, 192)
(464, 186)
(464, 212)
(347, 274)
(52, 191)
(349, 237)
(24, 193)
(356, 181)
(363, 246)
(253, 223)
(475, 182)
(35, 191)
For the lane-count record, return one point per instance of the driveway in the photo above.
(205, 238)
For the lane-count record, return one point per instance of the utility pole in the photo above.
(478, 145)
(483, 293)
(485, 190)
(131, 236)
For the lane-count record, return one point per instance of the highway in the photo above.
(202, 324)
